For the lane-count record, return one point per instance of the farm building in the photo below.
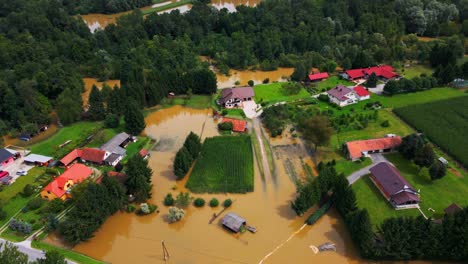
(385, 72)
(117, 144)
(233, 97)
(233, 222)
(342, 95)
(361, 93)
(113, 159)
(92, 155)
(237, 125)
(316, 77)
(6, 158)
(393, 186)
(61, 186)
(37, 160)
(452, 209)
(356, 149)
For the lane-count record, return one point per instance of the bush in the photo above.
(146, 209)
(35, 203)
(323, 98)
(131, 208)
(250, 83)
(168, 200)
(225, 126)
(54, 206)
(437, 170)
(52, 171)
(227, 203)
(20, 226)
(28, 190)
(183, 199)
(267, 80)
(3, 214)
(214, 202)
(199, 202)
(385, 123)
(175, 214)
(224, 112)
(111, 121)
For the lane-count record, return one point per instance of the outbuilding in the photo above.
(233, 222)
(37, 160)
(6, 158)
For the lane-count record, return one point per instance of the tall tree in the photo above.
(410, 145)
(69, 106)
(425, 156)
(134, 118)
(52, 257)
(9, 254)
(96, 110)
(316, 130)
(193, 145)
(437, 170)
(182, 162)
(372, 81)
(300, 73)
(139, 175)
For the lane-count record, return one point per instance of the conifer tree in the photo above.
(96, 110)
(134, 119)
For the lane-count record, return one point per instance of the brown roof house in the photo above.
(233, 97)
(358, 148)
(342, 95)
(394, 187)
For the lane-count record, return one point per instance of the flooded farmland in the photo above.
(279, 75)
(126, 238)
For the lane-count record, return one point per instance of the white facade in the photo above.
(351, 99)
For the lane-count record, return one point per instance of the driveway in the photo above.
(25, 247)
(376, 158)
(250, 108)
(378, 89)
(17, 165)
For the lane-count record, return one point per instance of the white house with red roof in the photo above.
(342, 95)
(361, 93)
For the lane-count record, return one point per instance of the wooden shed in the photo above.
(233, 222)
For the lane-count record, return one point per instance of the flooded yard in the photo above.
(279, 75)
(127, 238)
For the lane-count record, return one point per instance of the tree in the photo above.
(138, 181)
(175, 214)
(112, 121)
(182, 162)
(392, 87)
(52, 257)
(69, 106)
(437, 170)
(425, 156)
(214, 202)
(168, 200)
(300, 73)
(372, 81)
(134, 118)
(183, 199)
(199, 202)
(52, 223)
(250, 83)
(410, 145)
(96, 110)
(316, 130)
(28, 190)
(9, 254)
(291, 88)
(193, 145)
(227, 203)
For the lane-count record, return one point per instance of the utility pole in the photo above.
(165, 251)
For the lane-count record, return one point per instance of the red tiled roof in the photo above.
(237, 125)
(93, 155)
(355, 73)
(121, 177)
(385, 71)
(76, 173)
(361, 91)
(70, 157)
(143, 152)
(318, 76)
(356, 148)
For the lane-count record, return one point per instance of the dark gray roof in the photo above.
(233, 221)
(239, 92)
(113, 145)
(112, 157)
(5, 154)
(6, 179)
(390, 179)
(339, 92)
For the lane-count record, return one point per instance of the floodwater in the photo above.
(182, 9)
(230, 5)
(89, 84)
(127, 238)
(279, 75)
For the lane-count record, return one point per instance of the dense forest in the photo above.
(103, 6)
(45, 49)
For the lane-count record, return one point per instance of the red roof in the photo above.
(318, 76)
(355, 73)
(237, 125)
(118, 175)
(143, 152)
(93, 155)
(356, 148)
(70, 157)
(385, 71)
(76, 173)
(361, 91)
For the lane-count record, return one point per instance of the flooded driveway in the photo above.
(127, 238)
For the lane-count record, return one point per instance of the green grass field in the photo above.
(427, 96)
(415, 71)
(347, 167)
(195, 101)
(332, 82)
(69, 254)
(225, 165)
(134, 147)
(443, 122)
(273, 93)
(77, 133)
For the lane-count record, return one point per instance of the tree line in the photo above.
(186, 155)
(103, 6)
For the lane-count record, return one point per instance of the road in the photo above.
(258, 133)
(25, 247)
(376, 158)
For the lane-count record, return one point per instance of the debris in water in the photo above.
(252, 229)
(314, 249)
(327, 247)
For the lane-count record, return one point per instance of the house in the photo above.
(61, 186)
(6, 158)
(237, 125)
(71, 157)
(342, 95)
(233, 222)
(92, 155)
(144, 153)
(361, 93)
(315, 77)
(233, 97)
(356, 149)
(384, 72)
(452, 209)
(113, 159)
(117, 144)
(393, 186)
(37, 160)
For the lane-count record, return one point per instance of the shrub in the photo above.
(183, 199)
(227, 203)
(237, 83)
(3, 214)
(35, 203)
(224, 112)
(214, 202)
(146, 208)
(250, 83)
(199, 202)
(266, 80)
(52, 223)
(323, 98)
(131, 208)
(437, 170)
(111, 121)
(385, 123)
(28, 190)
(52, 171)
(225, 126)
(168, 200)
(20, 226)
(175, 214)
(54, 206)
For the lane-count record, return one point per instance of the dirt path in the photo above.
(258, 133)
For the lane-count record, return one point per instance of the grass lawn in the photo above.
(196, 101)
(347, 167)
(13, 236)
(332, 82)
(235, 113)
(69, 254)
(415, 71)
(273, 93)
(225, 165)
(11, 190)
(134, 147)
(103, 136)
(427, 96)
(77, 133)
(369, 197)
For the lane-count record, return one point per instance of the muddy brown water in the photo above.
(279, 75)
(127, 238)
(89, 82)
(230, 5)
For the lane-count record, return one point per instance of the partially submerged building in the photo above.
(233, 222)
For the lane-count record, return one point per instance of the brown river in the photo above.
(127, 238)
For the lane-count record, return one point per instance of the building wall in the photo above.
(7, 162)
(48, 196)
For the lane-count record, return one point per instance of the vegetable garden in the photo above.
(224, 165)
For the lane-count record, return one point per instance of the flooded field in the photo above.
(257, 76)
(127, 238)
(89, 82)
(230, 5)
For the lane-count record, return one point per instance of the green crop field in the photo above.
(434, 94)
(225, 165)
(332, 82)
(443, 122)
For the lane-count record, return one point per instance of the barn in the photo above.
(233, 222)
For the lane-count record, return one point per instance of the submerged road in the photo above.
(258, 133)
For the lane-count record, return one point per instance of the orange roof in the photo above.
(356, 148)
(237, 125)
(93, 155)
(73, 155)
(76, 173)
(361, 91)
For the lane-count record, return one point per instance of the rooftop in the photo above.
(355, 148)
(113, 145)
(238, 92)
(391, 180)
(318, 76)
(361, 91)
(237, 125)
(37, 158)
(5, 154)
(340, 92)
(233, 221)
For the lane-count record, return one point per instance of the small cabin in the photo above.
(233, 222)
